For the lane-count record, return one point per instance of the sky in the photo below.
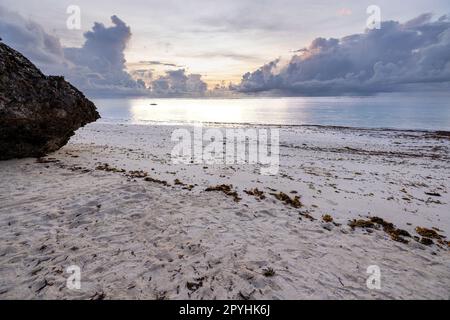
(187, 47)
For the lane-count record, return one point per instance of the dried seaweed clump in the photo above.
(137, 174)
(306, 215)
(177, 182)
(360, 223)
(426, 241)
(106, 167)
(428, 235)
(293, 202)
(227, 189)
(150, 179)
(375, 223)
(194, 286)
(269, 272)
(395, 233)
(256, 193)
(189, 187)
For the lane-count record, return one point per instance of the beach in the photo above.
(141, 227)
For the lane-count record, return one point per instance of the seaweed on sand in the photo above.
(189, 187)
(106, 167)
(360, 223)
(293, 202)
(268, 272)
(429, 233)
(306, 215)
(396, 234)
(150, 179)
(137, 174)
(226, 189)
(193, 286)
(256, 193)
(426, 241)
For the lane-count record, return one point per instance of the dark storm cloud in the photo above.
(397, 57)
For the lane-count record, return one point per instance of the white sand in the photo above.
(139, 239)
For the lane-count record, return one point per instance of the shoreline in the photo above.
(444, 133)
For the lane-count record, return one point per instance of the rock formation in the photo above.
(38, 113)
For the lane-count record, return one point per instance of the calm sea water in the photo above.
(401, 112)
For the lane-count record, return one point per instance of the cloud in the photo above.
(98, 68)
(239, 22)
(228, 55)
(244, 17)
(30, 38)
(102, 58)
(158, 63)
(409, 56)
(177, 83)
(144, 75)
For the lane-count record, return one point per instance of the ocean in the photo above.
(395, 112)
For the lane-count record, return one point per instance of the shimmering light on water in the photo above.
(431, 112)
